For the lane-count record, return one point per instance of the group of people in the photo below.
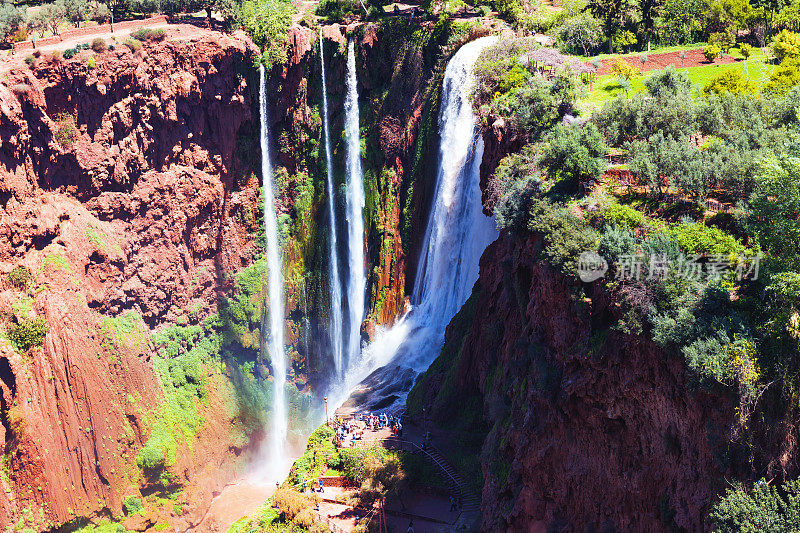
(382, 420)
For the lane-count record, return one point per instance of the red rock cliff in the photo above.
(121, 191)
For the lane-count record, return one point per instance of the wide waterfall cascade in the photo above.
(336, 319)
(357, 280)
(276, 453)
(456, 235)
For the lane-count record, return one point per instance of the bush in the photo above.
(99, 45)
(622, 69)
(133, 505)
(20, 35)
(722, 40)
(267, 23)
(19, 277)
(30, 61)
(574, 153)
(763, 508)
(27, 333)
(730, 81)
(786, 44)
(65, 131)
(69, 53)
(746, 50)
(134, 44)
(337, 10)
(711, 52)
(149, 34)
(785, 77)
(565, 236)
(616, 214)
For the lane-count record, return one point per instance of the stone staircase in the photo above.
(470, 501)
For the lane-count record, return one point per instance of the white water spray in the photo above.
(357, 281)
(276, 457)
(456, 235)
(336, 332)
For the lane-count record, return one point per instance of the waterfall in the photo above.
(277, 436)
(456, 235)
(357, 282)
(336, 332)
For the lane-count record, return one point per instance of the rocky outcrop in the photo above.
(125, 194)
(588, 428)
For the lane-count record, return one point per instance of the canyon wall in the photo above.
(586, 428)
(126, 203)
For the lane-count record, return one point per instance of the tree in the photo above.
(680, 21)
(784, 77)
(574, 154)
(786, 44)
(11, 17)
(50, 16)
(649, 10)
(613, 13)
(774, 205)
(76, 11)
(267, 22)
(581, 32)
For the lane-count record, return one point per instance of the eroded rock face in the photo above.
(122, 191)
(589, 429)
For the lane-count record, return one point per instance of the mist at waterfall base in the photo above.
(456, 235)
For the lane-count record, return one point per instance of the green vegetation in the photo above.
(27, 333)
(762, 508)
(267, 22)
(133, 505)
(19, 277)
(104, 526)
(149, 34)
(320, 453)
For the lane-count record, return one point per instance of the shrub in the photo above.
(786, 44)
(27, 333)
(784, 77)
(20, 35)
(722, 40)
(267, 23)
(730, 81)
(622, 69)
(746, 50)
(134, 44)
(19, 277)
(565, 236)
(711, 52)
(616, 214)
(99, 45)
(763, 508)
(149, 34)
(30, 61)
(65, 131)
(133, 505)
(574, 153)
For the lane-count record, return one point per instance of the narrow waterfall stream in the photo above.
(336, 319)
(275, 461)
(457, 233)
(357, 281)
